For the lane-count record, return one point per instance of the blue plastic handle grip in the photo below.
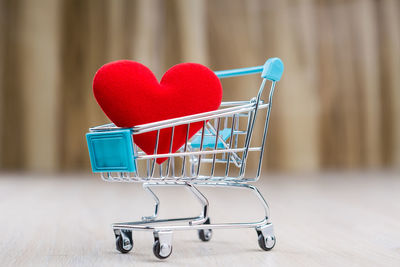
(238, 72)
(271, 70)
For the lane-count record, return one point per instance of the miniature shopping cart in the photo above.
(215, 156)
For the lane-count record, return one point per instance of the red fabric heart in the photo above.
(129, 94)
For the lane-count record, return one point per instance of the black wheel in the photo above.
(124, 242)
(205, 234)
(266, 243)
(161, 253)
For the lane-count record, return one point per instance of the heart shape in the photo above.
(130, 95)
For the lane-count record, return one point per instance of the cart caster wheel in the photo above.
(205, 234)
(266, 243)
(123, 241)
(161, 251)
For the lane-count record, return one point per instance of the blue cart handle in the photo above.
(271, 70)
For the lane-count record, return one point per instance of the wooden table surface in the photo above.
(337, 219)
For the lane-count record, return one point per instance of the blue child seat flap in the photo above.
(209, 139)
(111, 151)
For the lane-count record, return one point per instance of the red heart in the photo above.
(129, 94)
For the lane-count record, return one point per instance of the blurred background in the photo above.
(337, 106)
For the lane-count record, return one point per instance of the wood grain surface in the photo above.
(326, 220)
(337, 106)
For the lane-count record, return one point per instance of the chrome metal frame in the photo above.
(230, 115)
(184, 167)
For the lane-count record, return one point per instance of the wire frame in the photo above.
(216, 153)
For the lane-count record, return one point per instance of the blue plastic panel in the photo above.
(273, 69)
(209, 140)
(111, 151)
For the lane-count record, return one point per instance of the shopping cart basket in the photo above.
(215, 156)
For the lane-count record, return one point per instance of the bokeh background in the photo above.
(337, 106)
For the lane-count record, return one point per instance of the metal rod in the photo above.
(194, 153)
(182, 120)
(271, 94)
(170, 150)
(230, 145)
(250, 118)
(185, 150)
(201, 147)
(204, 202)
(135, 153)
(210, 115)
(148, 168)
(155, 153)
(215, 147)
(237, 106)
(247, 144)
(156, 203)
(237, 129)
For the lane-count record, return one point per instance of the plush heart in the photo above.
(130, 95)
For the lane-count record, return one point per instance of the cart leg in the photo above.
(146, 187)
(260, 197)
(202, 218)
(265, 232)
(204, 202)
(264, 228)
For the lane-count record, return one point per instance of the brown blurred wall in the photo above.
(338, 105)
